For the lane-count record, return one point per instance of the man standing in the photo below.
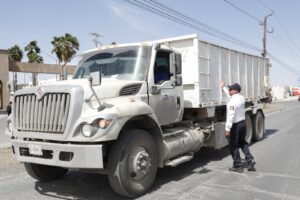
(235, 127)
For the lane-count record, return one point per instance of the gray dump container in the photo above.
(205, 64)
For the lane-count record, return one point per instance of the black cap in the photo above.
(235, 86)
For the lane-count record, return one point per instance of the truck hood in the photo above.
(107, 89)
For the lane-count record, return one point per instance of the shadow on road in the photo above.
(77, 185)
(195, 166)
(81, 185)
(270, 132)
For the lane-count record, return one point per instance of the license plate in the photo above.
(35, 149)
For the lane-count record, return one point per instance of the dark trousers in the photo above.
(236, 141)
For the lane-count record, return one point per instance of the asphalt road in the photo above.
(205, 177)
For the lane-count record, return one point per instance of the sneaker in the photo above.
(236, 169)
(251, 165)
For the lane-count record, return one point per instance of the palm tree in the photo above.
(33, 53)
(15, 53)
(33, 56)
(65, 47)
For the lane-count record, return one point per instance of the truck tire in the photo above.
(249, 128)
(44, 172)
(132, 163)
(258, 126)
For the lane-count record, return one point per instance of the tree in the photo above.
(65, 47)
(33, 56)
(15, 53)
(33, 51)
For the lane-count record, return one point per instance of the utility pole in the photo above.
(265, 24)
(95, 37)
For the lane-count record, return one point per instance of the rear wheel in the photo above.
(249, 129)
(132, 163)
(258, 126)
(44, 172)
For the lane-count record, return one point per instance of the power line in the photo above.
(265, 5)
(281, 25)
(243, 11)
(283, 46)
(279, 39)
(220, 33)
(282, 63)
(286, 45)
(287, 33)
(171, 14)
(170, 17)
(283, 42)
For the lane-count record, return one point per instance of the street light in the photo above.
(52, 57)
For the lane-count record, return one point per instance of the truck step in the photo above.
(180, 160)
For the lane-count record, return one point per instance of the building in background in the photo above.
(280, 92)
(295, 91)
(4, 78)
(7, 86)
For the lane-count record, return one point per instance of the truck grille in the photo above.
(46, 115)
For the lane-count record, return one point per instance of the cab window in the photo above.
(162, 67)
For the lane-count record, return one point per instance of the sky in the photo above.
(118, 21)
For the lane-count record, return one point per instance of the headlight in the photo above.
(86, 130)
(9, 126)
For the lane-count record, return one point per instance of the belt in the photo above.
(242, 121)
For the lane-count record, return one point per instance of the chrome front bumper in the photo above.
(61, 155)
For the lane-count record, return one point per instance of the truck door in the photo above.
(165, 94)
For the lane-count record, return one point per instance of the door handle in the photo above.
(155, 90)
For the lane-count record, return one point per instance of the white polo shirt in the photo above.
(235, 109)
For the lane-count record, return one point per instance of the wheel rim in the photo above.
(139, 164)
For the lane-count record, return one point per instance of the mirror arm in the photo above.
(101, 107)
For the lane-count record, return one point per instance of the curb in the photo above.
(4, 146)
(2, 112)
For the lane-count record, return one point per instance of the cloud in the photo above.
(134, 17)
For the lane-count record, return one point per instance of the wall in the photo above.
(4, 99)
(6, 66)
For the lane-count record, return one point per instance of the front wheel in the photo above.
(132, 163)
(44, 172)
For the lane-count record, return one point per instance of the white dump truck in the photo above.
(133, 108)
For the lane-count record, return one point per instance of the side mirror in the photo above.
(178, 63)
(175, 63)
(175, 68)
(95, 78)
(172, 64)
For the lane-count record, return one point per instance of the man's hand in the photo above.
(227, 133)
(222, 84)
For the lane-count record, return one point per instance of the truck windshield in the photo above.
(124, 63)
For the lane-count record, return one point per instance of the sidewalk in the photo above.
(3, 112)
(273, 107)
(4, 139)
(293, 98)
